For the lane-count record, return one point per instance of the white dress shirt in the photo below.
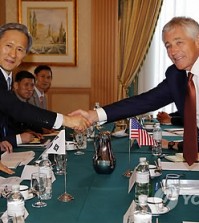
(195, 72)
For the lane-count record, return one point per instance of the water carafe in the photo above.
(103, 160)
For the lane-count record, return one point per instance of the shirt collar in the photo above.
(5, 74)
(39, 92)
(195, 68)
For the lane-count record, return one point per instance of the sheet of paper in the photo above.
(132, 180)
(36, 144)
(12, 160)
(51, 134)
(29, 169)
(180, 166)
(175, 131)
(129, 212)
(165, 133)
(190, 222)
(178, 157)
(9, 181)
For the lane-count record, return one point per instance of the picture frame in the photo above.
(53, 26)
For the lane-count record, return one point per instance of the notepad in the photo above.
(14, 159)
(36, 143)
(178, 157)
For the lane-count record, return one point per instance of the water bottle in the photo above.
(45, 166)
(157, 137)
(142, 212)
(142, 178)
(16, 204)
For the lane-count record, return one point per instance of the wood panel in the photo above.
(2, 12)
(104, 29)
(66, 100)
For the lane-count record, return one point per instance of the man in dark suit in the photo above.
(15, 43)
(18, 132)
(181, 39)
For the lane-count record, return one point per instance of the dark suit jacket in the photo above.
(11, 128)
(12, 107)
(176, 119)
(171, 89)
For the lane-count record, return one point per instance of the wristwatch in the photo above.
(171, 145)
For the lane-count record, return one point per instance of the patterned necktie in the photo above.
(190, 144)
(9, 83)
(41, 99)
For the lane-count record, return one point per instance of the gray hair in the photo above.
(19, 27)
(187, 23)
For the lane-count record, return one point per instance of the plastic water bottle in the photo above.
(157, 137)
(45, 166)
(16, 204)
(142, 212)
(142, 178)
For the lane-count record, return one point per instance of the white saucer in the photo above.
(156, 206)
(119, 135)
(71, 145)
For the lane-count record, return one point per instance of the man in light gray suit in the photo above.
(43, 76)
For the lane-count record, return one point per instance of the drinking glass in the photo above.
(38, 187)
(90, 133)
(60, 163)
(172, 186)
(79, 138)
(4, 218)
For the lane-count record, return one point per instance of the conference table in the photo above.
(102, 198)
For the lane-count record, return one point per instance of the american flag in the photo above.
(140, 134)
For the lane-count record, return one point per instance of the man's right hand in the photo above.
(91, 115)
(5, 169)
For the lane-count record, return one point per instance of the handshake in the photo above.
(79, 120)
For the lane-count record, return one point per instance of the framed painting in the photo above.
(53, 26)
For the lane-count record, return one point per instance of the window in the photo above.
(157, 61)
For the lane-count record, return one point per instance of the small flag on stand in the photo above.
(137, 132)
(57, 145)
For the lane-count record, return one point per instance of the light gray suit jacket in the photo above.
(34, 100)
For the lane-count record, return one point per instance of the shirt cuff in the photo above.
(101, 115)
(59, 121)
(18, 138)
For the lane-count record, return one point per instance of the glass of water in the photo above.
(172, 186)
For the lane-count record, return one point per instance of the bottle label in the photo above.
(142, 218)
(16, 208)
(142, 177)
(47, 171)
(157, 136)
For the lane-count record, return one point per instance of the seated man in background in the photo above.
(172, 118)
(43, 79)
(18, 133)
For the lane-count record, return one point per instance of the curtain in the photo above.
(153, 70)
(137, 21)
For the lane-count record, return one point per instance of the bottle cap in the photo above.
(142, 199)
(15, 187)
(142, 159)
